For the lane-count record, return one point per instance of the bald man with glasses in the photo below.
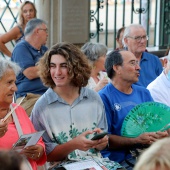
(135, 40)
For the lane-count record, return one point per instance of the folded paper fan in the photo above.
(145, 117)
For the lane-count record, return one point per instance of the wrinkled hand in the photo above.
(101, 84)
(3, 128)
(33, 152)
(85, 144)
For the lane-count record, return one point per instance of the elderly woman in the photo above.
(96, 54)
(9, 132)
(27, 11)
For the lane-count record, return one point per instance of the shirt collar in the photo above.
(53, 96)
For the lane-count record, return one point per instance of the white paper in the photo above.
(27, 140)
(83, 165)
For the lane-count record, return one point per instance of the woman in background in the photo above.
(96, 54)
(27, 11)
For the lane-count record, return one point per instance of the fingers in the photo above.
(33, 152)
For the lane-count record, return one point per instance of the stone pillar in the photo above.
(67, 20)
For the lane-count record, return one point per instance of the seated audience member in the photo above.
(27, 12)
(119, 37)
(160, 87)
(12, 160)
(96, 54)
(18, 122)
(26, 54)
(119, 97)
(156, 157)
(68, 111)
(135, 39)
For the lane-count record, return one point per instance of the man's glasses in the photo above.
(134, 63)
(44, 29)
(139, 38)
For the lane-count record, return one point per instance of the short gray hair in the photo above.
(32, 24)
(113, 58)
(127, 31)
(93, 51)
(6, 64)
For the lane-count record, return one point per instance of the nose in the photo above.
(137, 67)
(14, 87)
(58, 71)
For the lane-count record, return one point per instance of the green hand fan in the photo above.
(146, 117)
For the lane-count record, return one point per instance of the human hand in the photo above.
(103, 142)
(149, 138)
(3, 128)
(146, 138)
(101, 84)
(33, 152)
(82, 143)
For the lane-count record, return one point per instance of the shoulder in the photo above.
(140, 89)
(11, 34)
(91, 94)
(150, 56)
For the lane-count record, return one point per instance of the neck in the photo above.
(68, 93)
(138, 56)
(122, 86)
(4, 111)
(33, 42)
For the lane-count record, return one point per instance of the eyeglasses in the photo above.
(44, 29)
(139, 38)
(134, 63)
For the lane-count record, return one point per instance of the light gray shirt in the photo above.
(63, 122)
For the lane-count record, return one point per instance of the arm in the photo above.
(7, 37)
(24, 57)
(31, 72)
(101, 84)
(119, 142)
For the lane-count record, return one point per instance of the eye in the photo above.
(64, 65)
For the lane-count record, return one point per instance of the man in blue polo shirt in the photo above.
(119, 97)
(135, 40)
(26, 54)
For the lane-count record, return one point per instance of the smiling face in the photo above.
(59, 71)
(28, 12)
(7, 88)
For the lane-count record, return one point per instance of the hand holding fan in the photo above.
(146, 117)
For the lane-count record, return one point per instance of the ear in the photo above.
(126, 41)
(36, 30)
(117, 68)
(165, 62)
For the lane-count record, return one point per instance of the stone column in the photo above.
(67, 20)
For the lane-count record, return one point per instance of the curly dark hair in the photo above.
(78, 68)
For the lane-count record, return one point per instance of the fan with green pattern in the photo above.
(146, 117)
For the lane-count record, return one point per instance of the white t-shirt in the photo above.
(160, 89)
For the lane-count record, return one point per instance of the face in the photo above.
(7, 88)
(133, 45)
(129, 71)
(119, 41)
(99, 64)
(59, 71)
(28, 12)
(43, 33)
